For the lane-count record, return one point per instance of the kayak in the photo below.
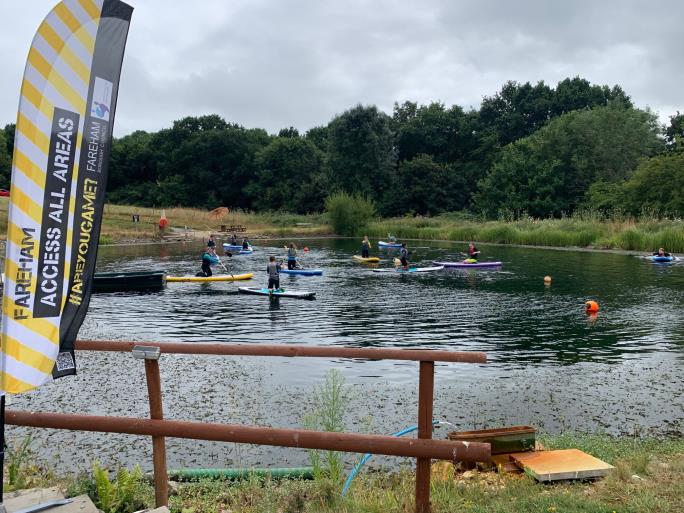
(662, 259)
(203, 279)
(465, 264)
(410, 270)
(303, 272)
(369, 260)
(241, 252)
(301, 294)
(235, 247)
(383, 244)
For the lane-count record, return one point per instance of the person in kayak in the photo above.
(403, 256)
(473, 252)
(211, 243)
(661, 253)
(245, 243)
(365, 247)
(273, 268)
(208, 257)
(392, 238)
(292, 256)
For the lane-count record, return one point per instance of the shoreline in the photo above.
(588, 249)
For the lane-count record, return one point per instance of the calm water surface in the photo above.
(550, 365)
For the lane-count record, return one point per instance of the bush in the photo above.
(349, 214)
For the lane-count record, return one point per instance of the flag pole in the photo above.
(2, 452)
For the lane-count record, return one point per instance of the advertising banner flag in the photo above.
(59, 175)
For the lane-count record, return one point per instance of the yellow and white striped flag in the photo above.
(59, 173)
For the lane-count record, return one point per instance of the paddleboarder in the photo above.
(208, 257)
(233, 240)
(211, 243)
(292, 257)
(273, 268)
(473, 252)
(403, 256)
(365, 247)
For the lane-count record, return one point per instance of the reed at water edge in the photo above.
(644, 234)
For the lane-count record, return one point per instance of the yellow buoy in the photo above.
(547, 280)
(592, 306)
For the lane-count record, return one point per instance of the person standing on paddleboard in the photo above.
(211, 243)
(403, 256)
(273, 269)
(292, 256)
(233, 240)
(365, 247)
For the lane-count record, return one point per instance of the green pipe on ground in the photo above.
(195, 474)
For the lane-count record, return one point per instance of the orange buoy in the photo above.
(592, 306)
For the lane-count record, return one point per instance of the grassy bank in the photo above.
(648, 477)
(576, 231)
(580, 230)
(118, 225)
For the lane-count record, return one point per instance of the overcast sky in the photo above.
(276, 63)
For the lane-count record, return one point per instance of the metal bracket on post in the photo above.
(161, 481)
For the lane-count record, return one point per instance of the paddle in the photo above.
(226, 269)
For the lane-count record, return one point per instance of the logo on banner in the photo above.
(102, 99)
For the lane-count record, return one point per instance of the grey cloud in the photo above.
(271, 64)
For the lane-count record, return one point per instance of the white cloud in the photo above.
(272, 64)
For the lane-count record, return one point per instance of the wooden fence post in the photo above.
(426, 385)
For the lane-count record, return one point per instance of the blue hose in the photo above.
(368, 455)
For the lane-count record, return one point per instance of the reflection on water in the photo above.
(509, 312)
(550, 365)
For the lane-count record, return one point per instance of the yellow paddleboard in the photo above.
(223, 277)
(370, 260)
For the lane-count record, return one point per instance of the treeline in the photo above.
(528, 150)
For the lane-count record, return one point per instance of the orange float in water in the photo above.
(592, 306)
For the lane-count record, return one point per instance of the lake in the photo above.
(549, 364)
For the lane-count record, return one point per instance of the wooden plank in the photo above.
(562, 464)
(504, 463)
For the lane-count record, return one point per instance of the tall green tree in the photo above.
(657, 185)
(424, 187)
(549, 172)
(361, 153)
(674, 133)
(319, 136)
(517, 110)
(578, 93)
(289, 177)
(5, 162)
(212, 168)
